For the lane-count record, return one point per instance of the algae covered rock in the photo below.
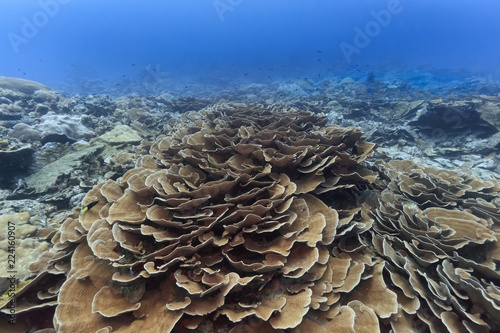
(14, 162)
(44, 179)
(490, 112)
(121, 134)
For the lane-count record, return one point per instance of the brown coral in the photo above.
(222, 228)
(259, 219)
(439, 232)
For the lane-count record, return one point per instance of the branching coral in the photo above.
(246, 219)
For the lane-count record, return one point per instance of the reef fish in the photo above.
(262, 287)
(88, 207)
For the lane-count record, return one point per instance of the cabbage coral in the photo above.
(246, 219)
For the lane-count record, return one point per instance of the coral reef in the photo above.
(121, 134)
(51, 176)
(490, 110)
(186, 104)
(25, 132)
(438, 231)
(27, 247)
(442, 119)
(53, 128)
(258, 218)
(15, 161)
(101, 105)
(21, 85)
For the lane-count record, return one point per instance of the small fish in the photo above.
(88, 207)
(131, 271)
(245, 74)
(133, 64)
(263, 285)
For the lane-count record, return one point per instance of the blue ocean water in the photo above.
(69, 44)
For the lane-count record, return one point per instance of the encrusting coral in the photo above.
(259, 219)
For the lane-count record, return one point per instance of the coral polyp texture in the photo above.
(264, 219)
